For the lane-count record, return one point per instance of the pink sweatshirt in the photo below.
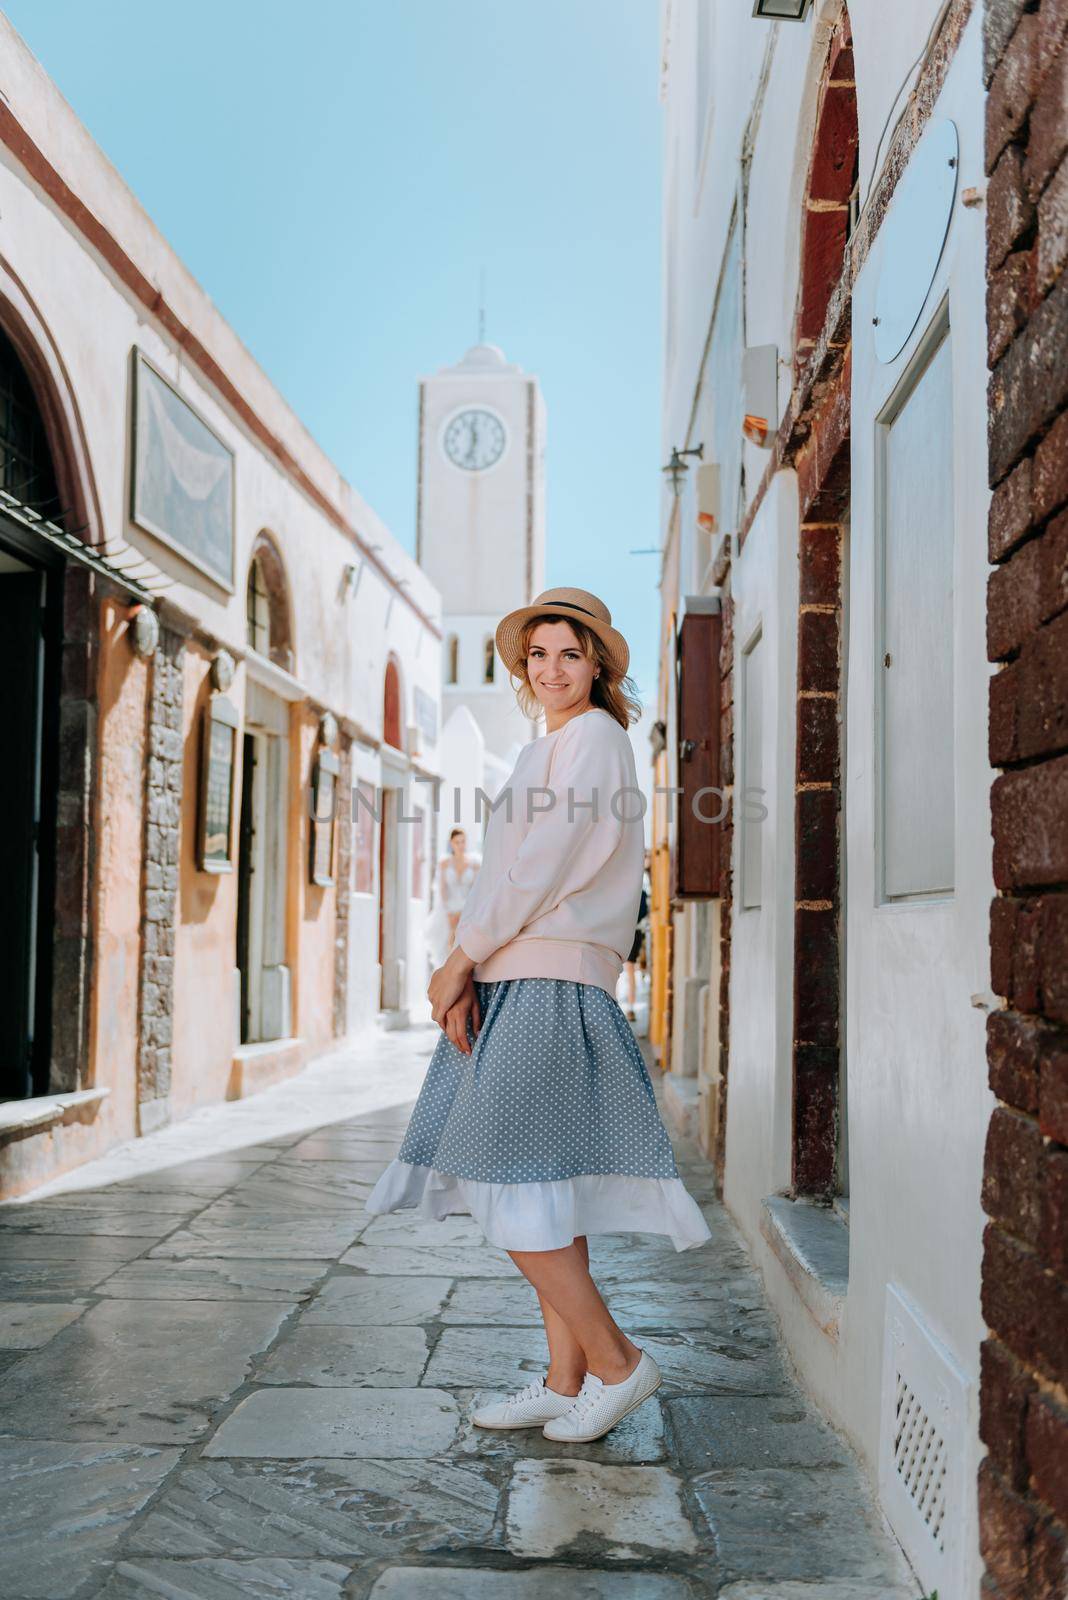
(557, 895)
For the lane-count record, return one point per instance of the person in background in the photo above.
(456, 873)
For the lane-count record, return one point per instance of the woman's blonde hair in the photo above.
(612, 691)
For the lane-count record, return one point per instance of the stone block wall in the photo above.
(1024, 1373)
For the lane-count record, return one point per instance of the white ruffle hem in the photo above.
(545, 1215)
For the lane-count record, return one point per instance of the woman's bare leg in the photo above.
(562, 1277)
(567, 1360)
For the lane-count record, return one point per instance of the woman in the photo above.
(537, 1115)
(456, 875)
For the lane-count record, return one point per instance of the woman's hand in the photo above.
(449, 982)
(457, 1015)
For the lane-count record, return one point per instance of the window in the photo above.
(257, 612)
(914, 664)
(489, 661)
(25, 460)
(752, 775)
(452, 659)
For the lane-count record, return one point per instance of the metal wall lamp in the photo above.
(676, 469)
(782, 10)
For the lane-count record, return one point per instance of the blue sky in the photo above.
(336, 175)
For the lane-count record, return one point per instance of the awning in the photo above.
(28, 526)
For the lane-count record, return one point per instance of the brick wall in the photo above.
(1023, 1487)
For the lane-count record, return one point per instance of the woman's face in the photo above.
(458, 841)
(560, 673)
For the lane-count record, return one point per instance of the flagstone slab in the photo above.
(490, 1358)
(403, 1227)
(617, 1513)
(321, 1185)
(354, 1301)
(327, 1508)
(712, 1431)
(257, 1579)
(16, 1248)
(763, 1590)
(290, 1424)
(459, 1262)
(493, 1302)
(118, 1222)
(65, 1507)
(347, 1147)
(249, 1233)
(139, 1371)
(702, 1303)
(800, 1523)
(332, 1357)
(52, 1280)
(232, 1278)
(545, 1583)
(29, 1325)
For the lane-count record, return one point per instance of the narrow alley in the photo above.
(223, 1379)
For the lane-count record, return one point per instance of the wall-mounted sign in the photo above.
(182, 482)
(426, 714)
(324, 802)
(217, 763)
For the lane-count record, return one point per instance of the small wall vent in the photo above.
(922, 1447)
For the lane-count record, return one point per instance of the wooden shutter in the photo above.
(697, 850)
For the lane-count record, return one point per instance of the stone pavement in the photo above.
(221, 1378)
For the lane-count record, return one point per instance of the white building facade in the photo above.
(825, 350)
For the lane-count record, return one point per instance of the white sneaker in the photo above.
(527, 1408)
(601, 1405)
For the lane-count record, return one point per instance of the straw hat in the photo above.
(570, 604)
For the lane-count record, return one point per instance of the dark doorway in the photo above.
(246, 840)
(28, 652)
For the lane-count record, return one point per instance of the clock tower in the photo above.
(480, 534)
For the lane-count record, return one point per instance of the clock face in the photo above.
(474, 440)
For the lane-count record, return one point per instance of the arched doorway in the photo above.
(31, 610)
(266, 1010)
(392, 862)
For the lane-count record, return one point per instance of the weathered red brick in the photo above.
(1053, 26)
(1053, 568)
(999, 23)
(1010, 511)
(1029, 821)
(1005, 1392)
(1048, 134)
(1053, 1229)
(1043, 689)
(1013, 602)
(1026, 964)
(1009, 210)
(822, 255)
(817, 650)
(815, 1118)
(1053, 958)
(1005, 1523)
(1003, 731)
(1013, 1047)
(1053, 1093)
(1010, 297)
(1012, 89)
(817, 845)
(816, 977)
(1047, 1452)
(831, 176)
(1029, 386)
(819, 570)
(817, 740)
(1052, 248)
(1012, 1173)
(1049, 479)
(1049, 1561)
(1004, 915)
(1024, 1304)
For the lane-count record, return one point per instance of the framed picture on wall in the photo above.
(182, 476)
(324, 801)
(218, 752)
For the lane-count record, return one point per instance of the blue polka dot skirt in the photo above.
(549, 1129)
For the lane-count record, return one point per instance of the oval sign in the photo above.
(914, 236)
